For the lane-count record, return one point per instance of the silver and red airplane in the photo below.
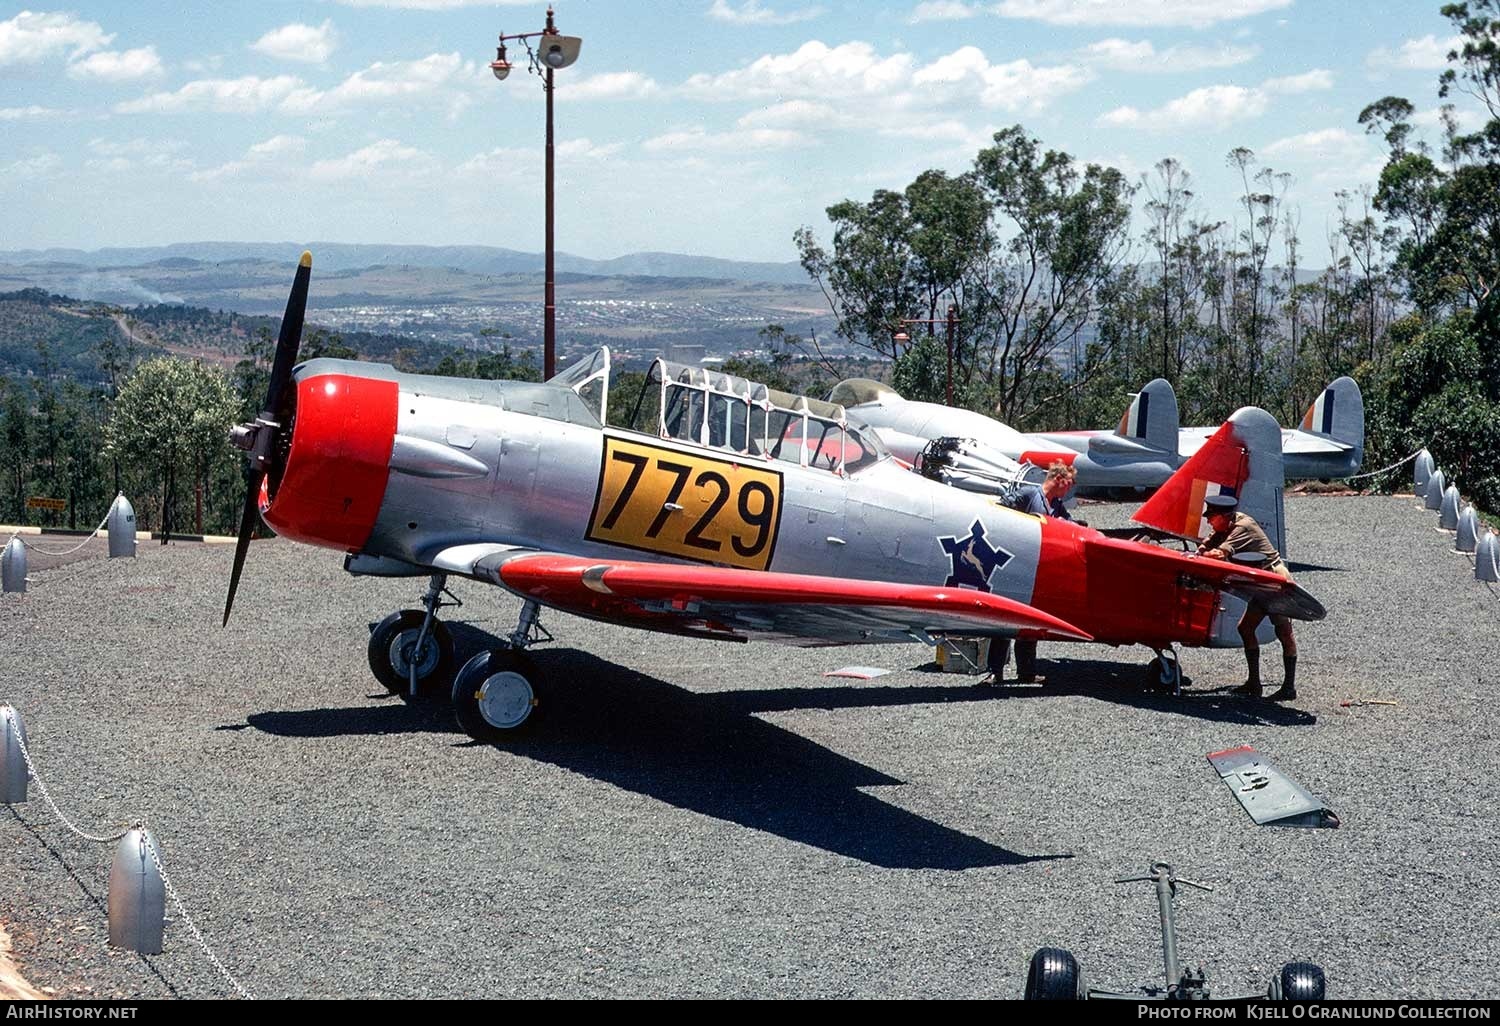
(1142, 451)
(727, 511)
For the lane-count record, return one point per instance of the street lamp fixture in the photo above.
(901, 338)
(552, 51)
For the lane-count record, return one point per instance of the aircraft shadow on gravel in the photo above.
(706, 753)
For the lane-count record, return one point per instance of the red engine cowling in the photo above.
(331, 488)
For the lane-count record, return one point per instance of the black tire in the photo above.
(1299, 981)
(405, 626)
(1054, 976)
(488, 715)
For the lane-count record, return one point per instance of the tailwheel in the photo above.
(493, 695)
(397, 645)
(1164, 673)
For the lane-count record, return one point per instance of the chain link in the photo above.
(15, 731)
(1393, 466)
(187, 919)
(68, 552)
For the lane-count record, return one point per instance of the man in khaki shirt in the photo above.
(1236, 533)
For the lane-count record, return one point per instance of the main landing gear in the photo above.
(494, 694)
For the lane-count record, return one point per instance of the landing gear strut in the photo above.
(494, 697)
(1164, 673)
(411, 646)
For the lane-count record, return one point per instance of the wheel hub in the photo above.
(505, 700)
(403, 654)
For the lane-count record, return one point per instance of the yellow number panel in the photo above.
(684, 504)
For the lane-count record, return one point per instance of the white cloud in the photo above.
(386, 159)
(1428, 53)
(124, 66)
(1325, 143)
(942, 10)
(261, 158)
(750, 12)
(1188, 13)
(814, 69)
(28, 113)
(1467, 119)
(298, 42)
(437, 5)
(1017, 85)
(39, 165)
(1307, 82)
(1142, 56)
(31, 36)
(436, 77)
(858, 81)
(247, 95)
(117, 156)
(744, 142)
(1209, 106)
(799, 114)
(613, 85)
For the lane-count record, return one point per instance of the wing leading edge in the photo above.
(734, 604)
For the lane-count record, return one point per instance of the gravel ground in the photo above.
(697, 819)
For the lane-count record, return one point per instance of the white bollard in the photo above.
(13, 567)
(1486, 559)
(121, 528)
(1468, 531)
(1448, 514)
(137, 896)
(1421, 472)
(1436, 485)
(13, 772)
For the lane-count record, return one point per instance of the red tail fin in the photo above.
(1219, 468)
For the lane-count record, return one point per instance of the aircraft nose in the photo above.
(338, 463)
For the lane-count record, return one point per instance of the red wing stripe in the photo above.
(558, 578)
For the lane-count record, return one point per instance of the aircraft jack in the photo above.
(412, 646)
(1055, 975)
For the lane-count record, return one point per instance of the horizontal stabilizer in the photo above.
(1269, 795)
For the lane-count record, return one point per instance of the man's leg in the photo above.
(1248, 624)
(999, 656)
(1288, 691)
(1026, 660)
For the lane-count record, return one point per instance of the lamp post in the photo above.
(951, 321)
(552, 51)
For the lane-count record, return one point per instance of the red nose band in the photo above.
(339, 462)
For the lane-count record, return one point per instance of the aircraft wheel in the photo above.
(1163, 675)
(1054, 976)
(493, 696)
(392, 645)
(1298, 981)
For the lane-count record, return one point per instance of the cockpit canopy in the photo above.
(732, 414)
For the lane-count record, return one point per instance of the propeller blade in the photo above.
(287, 346)
(290, 339)
(242, 543)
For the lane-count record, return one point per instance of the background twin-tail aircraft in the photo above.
(728, 511)
(1142, 451)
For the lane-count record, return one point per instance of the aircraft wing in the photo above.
(734, 604)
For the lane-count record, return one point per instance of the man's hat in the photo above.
(1219, 504)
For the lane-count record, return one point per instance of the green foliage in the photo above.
(170, 424)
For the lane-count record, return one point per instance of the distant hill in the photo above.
(487, 260)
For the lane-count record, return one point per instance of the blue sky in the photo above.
(713, 127)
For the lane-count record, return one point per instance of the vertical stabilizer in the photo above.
(1338, 413)
(1151, 418)
(1243, 459)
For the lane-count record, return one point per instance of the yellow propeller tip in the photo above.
(306, 260)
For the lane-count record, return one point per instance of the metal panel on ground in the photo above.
(1269, 795)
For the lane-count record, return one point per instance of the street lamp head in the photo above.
(560, 51)
(500, 66)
